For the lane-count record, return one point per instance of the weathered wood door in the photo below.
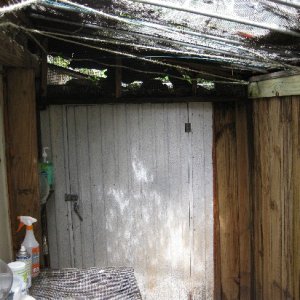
(144, 182)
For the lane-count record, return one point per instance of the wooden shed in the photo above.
(173, 129)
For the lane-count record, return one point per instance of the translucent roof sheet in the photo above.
(253, 40)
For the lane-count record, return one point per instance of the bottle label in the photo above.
(35, 261)
(27, 261)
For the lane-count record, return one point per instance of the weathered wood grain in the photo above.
(145, 195)
(22, 155)
(283, 86)
(295, 235)
(244, 201)
(276, 194)
(14, 55)
(63, 227)
(233, 202)
(5, 230)
(227, 197)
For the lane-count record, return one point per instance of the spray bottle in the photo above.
(25, 257)
(30, 243)
(47, 167)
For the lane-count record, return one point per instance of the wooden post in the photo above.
(22, 157)
(5, 233)
(14, 55)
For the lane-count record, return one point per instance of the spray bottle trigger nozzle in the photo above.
(44, 154)
(20, 226)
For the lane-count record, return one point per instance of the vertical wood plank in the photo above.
(274, 204)
(134, 186)
(97, 192)
(296, 194)
(257, 205)
(50, 205)
(198, 262)
(84, 186)
(144, 173)
(5, 230)
(109, 176)
(226, 196)
(57, 115)
(244, 199)
(185, 192)
(197, 211)
(121, 191)
(21, 136)
(276, 146)
(208, 198)
(73, 188)
(287, 202)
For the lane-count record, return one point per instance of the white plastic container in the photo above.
(25, 257)
(18, 289)
(19, 269)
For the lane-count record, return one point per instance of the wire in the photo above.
(145, 72)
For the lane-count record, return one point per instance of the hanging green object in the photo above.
(46, 167)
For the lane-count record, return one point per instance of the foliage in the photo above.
(58, 61)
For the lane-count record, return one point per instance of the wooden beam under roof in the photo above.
(13, 54)
(137, 100)
(274, 85)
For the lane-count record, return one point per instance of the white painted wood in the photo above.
(50, 205)
(61, 207)
(202, 254)
(68, 187)
(284, 86)
(84, 186)
(146, 193)
(74, 186)
(5, 234)
(135, 175)
(208, 196)
(111, 196)
(97, 192)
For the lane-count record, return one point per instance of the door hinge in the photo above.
(188, 127)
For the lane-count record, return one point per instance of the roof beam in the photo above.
(274, 86)
(13, 54)
(272, 27)
(111, 100)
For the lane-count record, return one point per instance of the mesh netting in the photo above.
(210, 38)
(57, 78)
(252, 35)
(93, 283)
